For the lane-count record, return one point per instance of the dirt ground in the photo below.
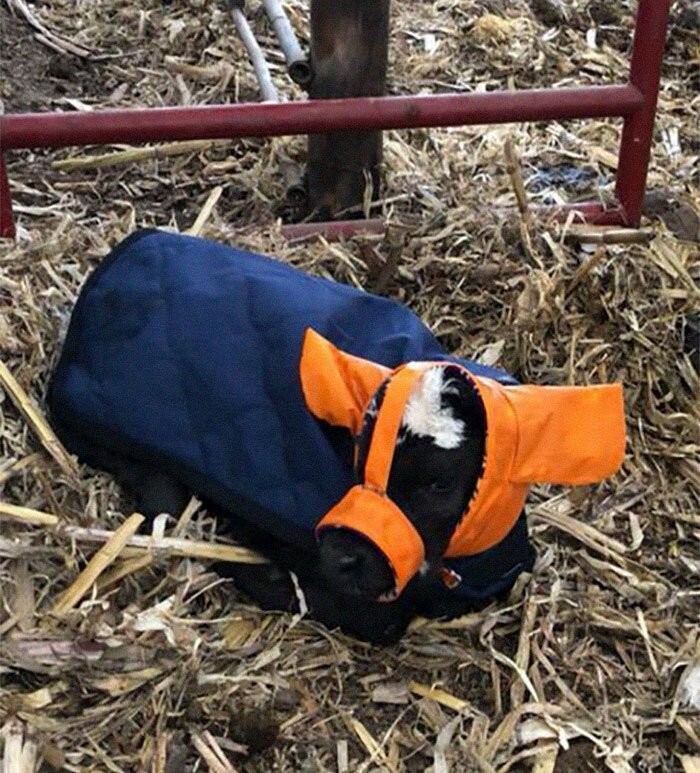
(590, 665)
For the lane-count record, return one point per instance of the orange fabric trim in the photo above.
(386, 428)
(378, 519)
(496, 503)
(337, 386)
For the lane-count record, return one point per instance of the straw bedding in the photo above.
(594, 661)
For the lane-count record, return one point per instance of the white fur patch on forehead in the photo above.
(426, 416)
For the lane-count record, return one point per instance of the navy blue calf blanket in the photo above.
(184, 354)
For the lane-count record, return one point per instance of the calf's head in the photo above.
(437, 458)
(444, 459)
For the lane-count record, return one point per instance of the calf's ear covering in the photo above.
(337, 386)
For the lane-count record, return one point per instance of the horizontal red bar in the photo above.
(53, 130)
(334, 230)
(590, 212)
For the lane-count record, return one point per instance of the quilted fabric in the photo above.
(185, 353)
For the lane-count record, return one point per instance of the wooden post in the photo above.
(349, 49)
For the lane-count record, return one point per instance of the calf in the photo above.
(322, 427)
(438, 459)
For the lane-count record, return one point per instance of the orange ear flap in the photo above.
(337, 386)
(567, 435)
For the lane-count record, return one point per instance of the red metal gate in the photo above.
(635, 102)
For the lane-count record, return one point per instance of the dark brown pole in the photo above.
(349, 49)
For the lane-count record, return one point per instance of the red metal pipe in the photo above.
(334, 229)
(53, 130)
(638, 131)
(7, 221)
(591, 212)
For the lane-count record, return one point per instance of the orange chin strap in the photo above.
(534, 434)
(367, 509)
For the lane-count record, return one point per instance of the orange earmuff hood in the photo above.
(534, 434)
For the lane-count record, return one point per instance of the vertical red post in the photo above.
(7, 221)
(638, 131)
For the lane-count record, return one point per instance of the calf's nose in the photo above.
(354, 567)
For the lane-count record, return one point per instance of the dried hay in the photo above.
(160, 666)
